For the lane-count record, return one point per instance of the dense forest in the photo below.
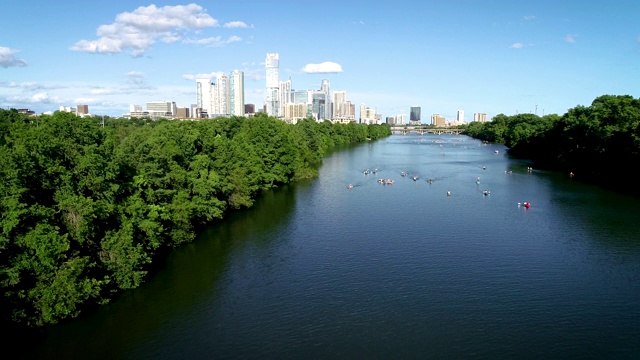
(597, 143)
(88, 205)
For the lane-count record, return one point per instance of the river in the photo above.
(404, 271)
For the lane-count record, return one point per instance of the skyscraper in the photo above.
(460, 116)
(301, 96)
(343, 109)
(272, 65)
(319, 105)
(325, 88)
(237, 92)
(221, 96)
(414, 115)
(204, 96)
(285, 95)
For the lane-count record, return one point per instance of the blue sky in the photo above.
(487, 56)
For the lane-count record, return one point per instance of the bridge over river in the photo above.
(422, 129)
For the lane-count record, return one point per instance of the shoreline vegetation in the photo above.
(89, 208)
(593, 144)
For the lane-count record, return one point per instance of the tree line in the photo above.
(597, 143)
(88, 205)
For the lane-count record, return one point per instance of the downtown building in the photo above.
(284, 102)
(162, 109)
(480, 117)
(225, 97)
(368, 115)
(272, 67)
(204, 98)
(438, 121)
(414, 115)
(302, 104)
(343, 110)
(83, 110)
(321, 102)
(236, 93)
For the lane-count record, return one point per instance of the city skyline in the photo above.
(480, 57)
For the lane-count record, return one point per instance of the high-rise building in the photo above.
(481, 117)
(204, 96)
(352, 111)
(286, 95)
(325, 88)
(339, 96)
(162, 109)
(339, 102)
(249, 108)
(343, 110)
(301, 97)
(295, 112)
(367, 115)
(272, 65)
(319, 106)
(237, 93)
(321, 102)
(414, 115)
(460, 116)
(221, 96)
(83, 109)
(438, 120)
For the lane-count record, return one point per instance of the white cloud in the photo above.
(529, 17)
(236, 24)
(211, 75)
(516, 45)
(570, 38)
(213, 41)
(41, 98)
(28, 86)
(8, 59)
(323, 68)
(137, 31)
